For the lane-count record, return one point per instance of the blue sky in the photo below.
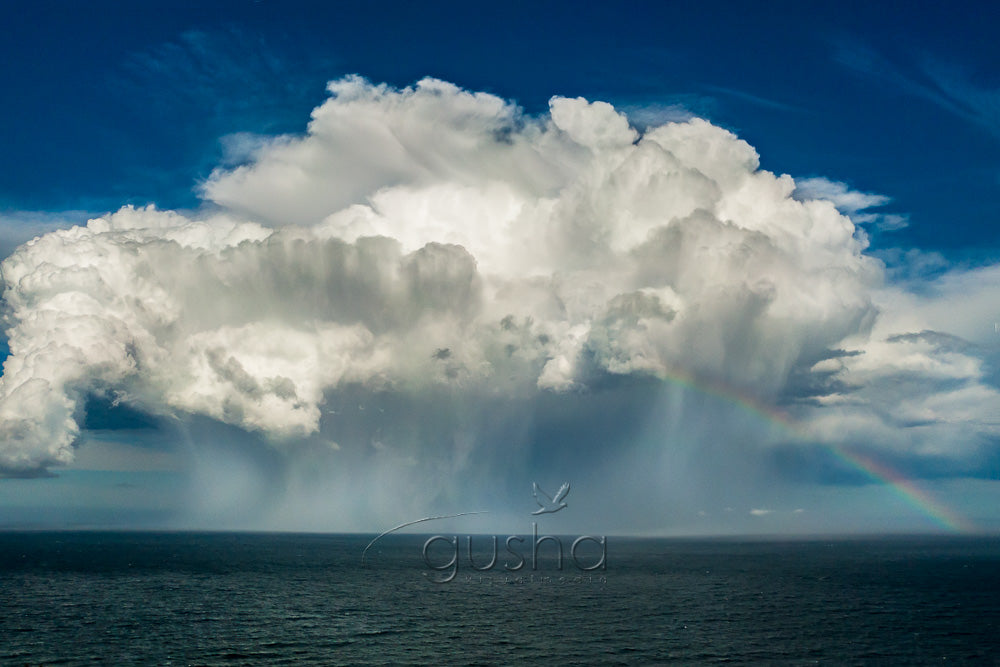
(111, 104)
(892, 113)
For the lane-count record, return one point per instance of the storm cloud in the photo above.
(401, 285)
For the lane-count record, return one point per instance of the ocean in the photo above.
(129, 598)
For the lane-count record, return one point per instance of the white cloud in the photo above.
(851, 203)
(845, 199)
(920, 382)
(440, 245)
(19, 227)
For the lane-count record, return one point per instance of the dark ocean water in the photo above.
(214, 599)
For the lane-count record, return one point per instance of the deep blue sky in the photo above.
(109, 103)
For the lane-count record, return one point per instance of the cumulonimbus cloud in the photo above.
(429, 238)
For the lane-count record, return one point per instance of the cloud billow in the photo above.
(426, 241)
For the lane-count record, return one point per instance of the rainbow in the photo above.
(878, 472)
(905, 489)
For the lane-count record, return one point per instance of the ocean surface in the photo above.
(75, 598)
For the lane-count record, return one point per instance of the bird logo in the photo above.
(550, 505)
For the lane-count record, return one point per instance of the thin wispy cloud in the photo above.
(649, 115)
(948, 87)
(852, 203)
(226, 74)
(757, 100)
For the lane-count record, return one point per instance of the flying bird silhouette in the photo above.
(549, 505)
